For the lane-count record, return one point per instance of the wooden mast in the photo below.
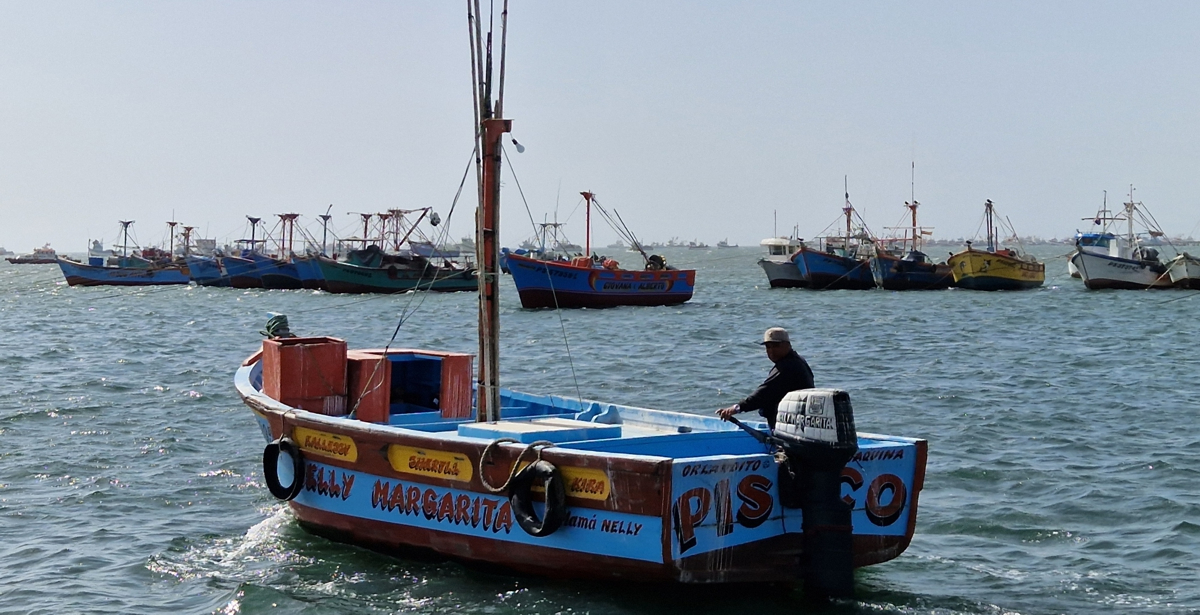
(912, 204)
(491, 129)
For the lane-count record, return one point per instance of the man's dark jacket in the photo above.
(791, 373)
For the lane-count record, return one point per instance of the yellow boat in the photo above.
(996, 268)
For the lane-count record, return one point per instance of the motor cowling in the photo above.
(815, 429)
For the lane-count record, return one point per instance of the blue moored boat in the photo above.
(842, 261)
(81, 274)
(586, 283)
(153, 267)
(206, 271)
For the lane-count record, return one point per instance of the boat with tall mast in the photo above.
(142, 267)
(587, 282)
(914, 270)
(996, 268)
(386, 265)
(391, 449)
(245, 268)
(1128, 264)
(840, 262)
(1101, 239)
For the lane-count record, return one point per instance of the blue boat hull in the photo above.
(206, 271)
(826, 271)
(892, 273)
(243, 272)
(310, 272)
(79, 274)
(548, 284)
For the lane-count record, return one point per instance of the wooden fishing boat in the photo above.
(586, 282)
(398, 268)
(781, 270)
(995, 268)
(1184, 271)
(908, 268)
(207, 271)
(392, 450)
(839, 262)
(1127, 264)
(145, 267)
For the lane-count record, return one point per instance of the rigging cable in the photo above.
(557, 309)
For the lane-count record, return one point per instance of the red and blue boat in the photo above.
(545, 281)
(398, 451)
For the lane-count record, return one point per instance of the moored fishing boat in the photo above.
(1127, 265)
(385, 449)
(914, 270)
(995, 268)
(280, 272)
(1184, 271)
(150, 267)
(840, 262)
(372, 269)
(243, 268)
(586, 282)
(781, 270)
(207, 271)
(1099, 240)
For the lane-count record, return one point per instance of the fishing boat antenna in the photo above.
(487, 225)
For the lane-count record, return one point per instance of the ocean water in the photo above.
(1062, 426)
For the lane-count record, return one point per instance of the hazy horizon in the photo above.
(693, 121)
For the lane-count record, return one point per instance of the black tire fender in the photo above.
(520, 497)
(280, 458)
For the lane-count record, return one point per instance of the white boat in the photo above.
(781, 270)
(1100, 240)
(1127, 264)
(1184, 271)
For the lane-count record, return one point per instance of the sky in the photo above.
(696, 120)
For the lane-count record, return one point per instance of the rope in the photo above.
(409, 309)
(537, 447)
(839, 278)
(557, 309)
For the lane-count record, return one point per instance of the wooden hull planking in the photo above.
(976, 270)
(549, 284)
(639, 517)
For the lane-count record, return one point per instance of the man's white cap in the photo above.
(776, 334)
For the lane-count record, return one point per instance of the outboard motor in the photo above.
(815, 429)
